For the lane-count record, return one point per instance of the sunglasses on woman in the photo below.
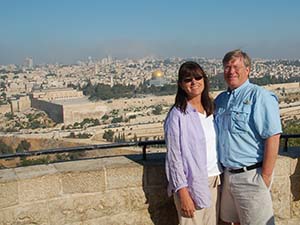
(189, 79)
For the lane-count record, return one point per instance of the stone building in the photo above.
(157, 79)
(20, 104)
(67, 105)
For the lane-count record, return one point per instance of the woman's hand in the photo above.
(186, 203)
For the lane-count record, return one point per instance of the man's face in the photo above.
(235, 73)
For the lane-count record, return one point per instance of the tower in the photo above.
(111, 80)
(96, 69)
(28, 62)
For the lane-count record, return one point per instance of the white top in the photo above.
(211, 148)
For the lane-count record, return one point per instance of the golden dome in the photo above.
(157, 74)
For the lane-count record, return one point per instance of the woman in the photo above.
(191, 163)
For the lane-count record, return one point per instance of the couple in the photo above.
(238, 135)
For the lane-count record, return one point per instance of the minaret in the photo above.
(29, 62)
(111, 80)
(95, 69)
(90, 61)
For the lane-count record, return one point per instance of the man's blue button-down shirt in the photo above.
(244, 118)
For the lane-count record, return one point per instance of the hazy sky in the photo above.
(70, 30)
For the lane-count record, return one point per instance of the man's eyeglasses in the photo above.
(188, 80)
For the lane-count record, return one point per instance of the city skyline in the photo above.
(66, 31)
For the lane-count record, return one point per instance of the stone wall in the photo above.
(77, 112)
(54, 111)
(286, 188)
(114, 191)
(21, 104)
(57, 93)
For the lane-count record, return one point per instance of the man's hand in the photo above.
(186, 202)
(270, 156)
(267, 179)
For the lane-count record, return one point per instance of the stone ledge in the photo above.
(110, 190)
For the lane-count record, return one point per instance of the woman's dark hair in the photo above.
(192, 69)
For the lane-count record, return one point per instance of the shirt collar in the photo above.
(190, 108)
(239, 89)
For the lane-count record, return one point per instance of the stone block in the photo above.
(64, 211)
(7, 216)
(83, 182)
(39, 188)
(295, 196)
(293, 222)
(124, 200)
(83, 207)
(93, 206)
(35, 213)
(282, 167)
(281, 197)
(295, 209)
(138, 217)
(7, 175)
(124, 176)
(281, 222)
(161, 207)
(295, 187)
(82, 166)
(34, 171)
(295, 167)
(8, 194)
(134, 198)
(155, 176)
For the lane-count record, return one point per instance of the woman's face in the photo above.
(193, 86)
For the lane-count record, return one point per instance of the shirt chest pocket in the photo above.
(240, 119)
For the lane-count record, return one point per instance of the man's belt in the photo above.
(246, 168)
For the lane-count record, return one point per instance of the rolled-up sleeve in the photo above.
(174, 163)
(266, 115)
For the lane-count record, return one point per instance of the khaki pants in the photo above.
(246, 199)
(204, 216)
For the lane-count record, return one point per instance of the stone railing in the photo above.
(115, 191)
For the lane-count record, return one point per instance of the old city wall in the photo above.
(116, 190)
(54, 111)
(17, 105)
(21, 104)
(77, 112)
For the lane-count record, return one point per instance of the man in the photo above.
(248, 127)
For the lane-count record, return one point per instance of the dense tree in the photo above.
(23, 146)
(157, 110)
(108, 135)
(117, 120)
(292, 127)
(5, 149)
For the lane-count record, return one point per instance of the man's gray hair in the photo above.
(237, 54)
